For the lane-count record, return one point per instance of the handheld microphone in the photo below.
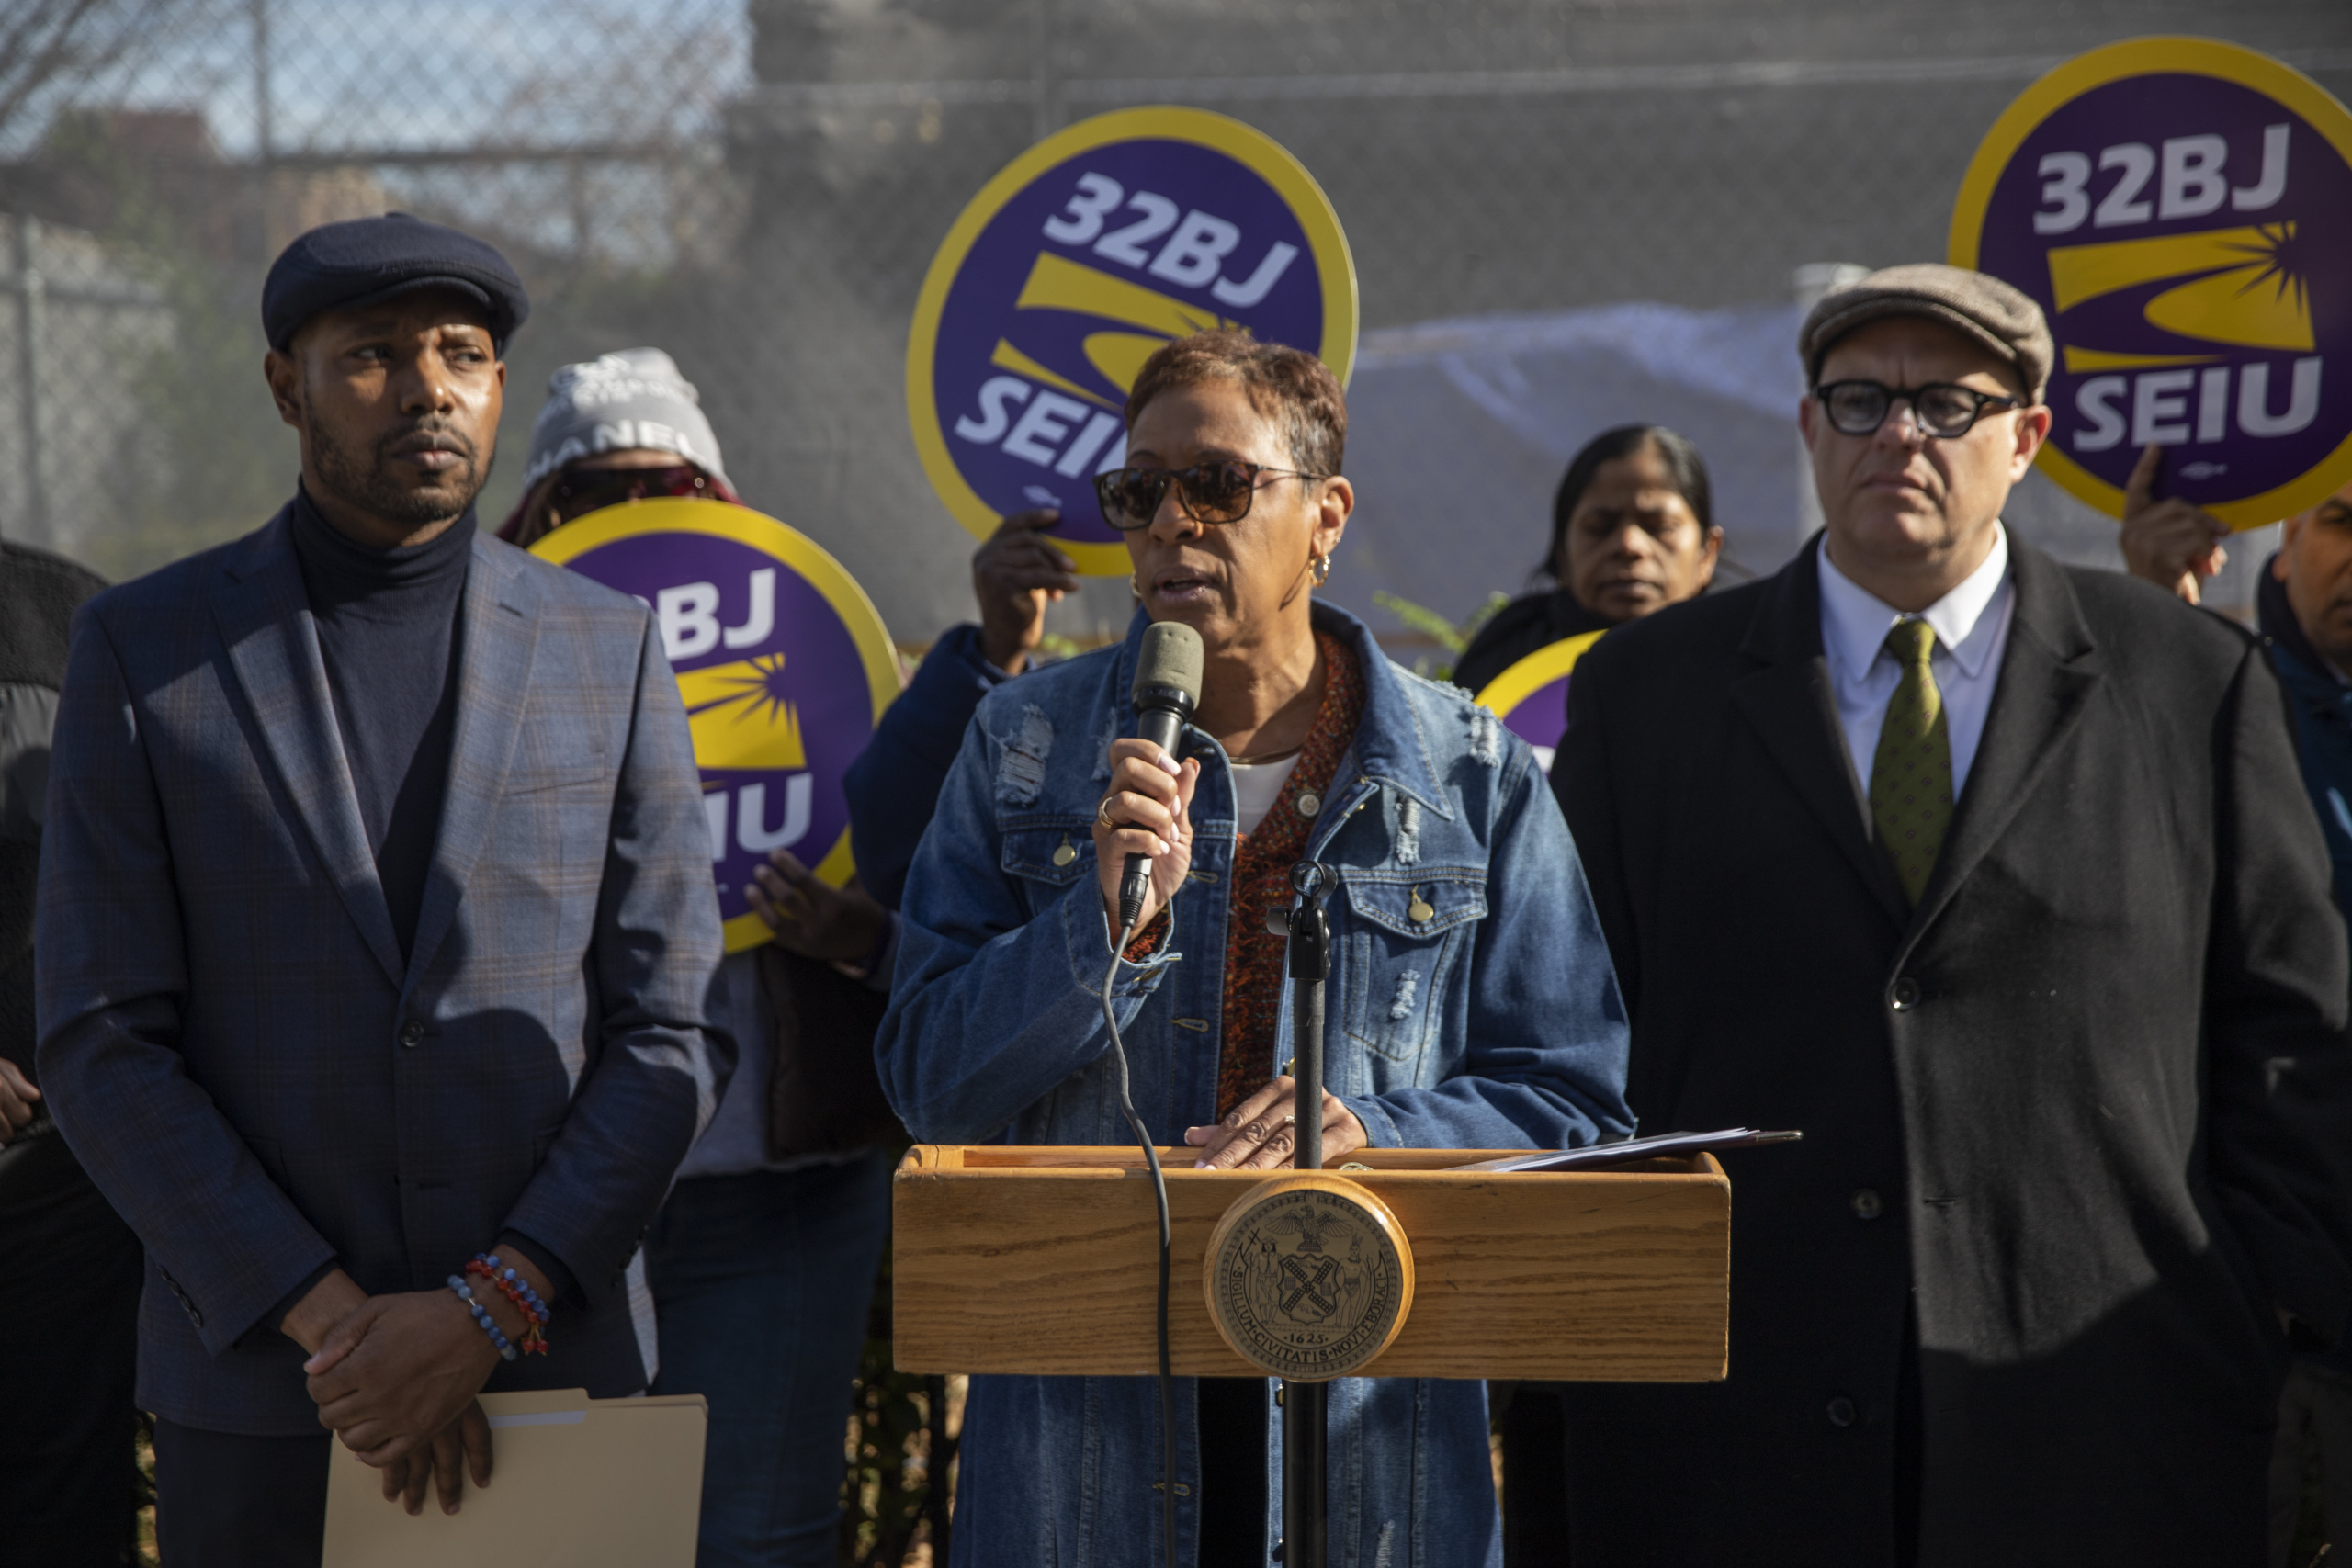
(1168, 683)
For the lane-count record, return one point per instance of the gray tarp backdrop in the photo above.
(1461, 429)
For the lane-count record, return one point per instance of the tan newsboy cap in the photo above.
(1974, 303)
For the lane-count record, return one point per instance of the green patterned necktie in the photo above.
(1911, 779)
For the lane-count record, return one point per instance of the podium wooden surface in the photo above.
(1044, 1261)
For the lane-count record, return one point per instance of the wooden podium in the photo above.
(1046, 1260)
(1049, 1261)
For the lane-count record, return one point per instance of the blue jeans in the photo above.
(761, 1284)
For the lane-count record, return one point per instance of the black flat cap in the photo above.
(337, 266)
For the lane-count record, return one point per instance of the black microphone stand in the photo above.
(1304, 1505)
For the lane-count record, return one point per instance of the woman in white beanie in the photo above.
(623, 426)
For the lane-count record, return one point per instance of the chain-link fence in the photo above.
(1565, 214)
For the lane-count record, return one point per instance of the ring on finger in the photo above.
(1103, 816)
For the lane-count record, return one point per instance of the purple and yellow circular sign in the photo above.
(783, 663)
(1084, 255)
(2182, 209)
(1532, 697)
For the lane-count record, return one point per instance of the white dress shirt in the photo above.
(1971, 626)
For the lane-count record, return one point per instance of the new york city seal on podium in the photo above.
(1309, 1277)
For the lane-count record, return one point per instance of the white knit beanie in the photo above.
(633, 399)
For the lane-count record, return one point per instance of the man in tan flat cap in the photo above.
(1996, 878)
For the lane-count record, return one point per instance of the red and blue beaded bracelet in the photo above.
(503, 1279)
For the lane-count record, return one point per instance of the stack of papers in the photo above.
(586, 1483)
(1662, 1145)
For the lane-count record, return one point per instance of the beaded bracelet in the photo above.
(512, 1285)
(515, 1288)
(481, 1317)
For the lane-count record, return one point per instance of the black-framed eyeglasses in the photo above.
(582, 491)
(1942, 409)
(1220, 491)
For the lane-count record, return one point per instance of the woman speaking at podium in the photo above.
(1471, 1003)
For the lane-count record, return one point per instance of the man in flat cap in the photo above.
(377, 946)
(1996, 878)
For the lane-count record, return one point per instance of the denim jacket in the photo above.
(1494, 1021)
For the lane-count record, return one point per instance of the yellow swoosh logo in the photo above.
(1007, 358)
(1057, 282)
(2083, 361)
(2242, 294)
(739, 718)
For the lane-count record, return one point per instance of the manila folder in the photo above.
(576, 1481)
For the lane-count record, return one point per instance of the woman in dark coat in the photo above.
(1633, 531)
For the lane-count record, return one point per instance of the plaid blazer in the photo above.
(230, 1039)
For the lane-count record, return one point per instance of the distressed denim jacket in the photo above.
(1492, 1021)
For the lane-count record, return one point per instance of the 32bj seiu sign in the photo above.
(1084, 255)
(781, 660)
(1532, 697)
(2182, 209)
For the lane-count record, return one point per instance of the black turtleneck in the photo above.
(388, 626)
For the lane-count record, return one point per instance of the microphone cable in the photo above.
(1160, 1196)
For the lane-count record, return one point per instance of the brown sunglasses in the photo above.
(1220, 491)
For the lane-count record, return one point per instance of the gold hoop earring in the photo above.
(1319, 569)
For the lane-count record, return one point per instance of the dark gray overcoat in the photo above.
(2070, 1126)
